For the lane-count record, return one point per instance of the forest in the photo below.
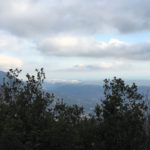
(33, 119)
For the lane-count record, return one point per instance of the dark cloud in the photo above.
(46, 17)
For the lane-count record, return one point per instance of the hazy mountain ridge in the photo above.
(86, 93)
(2, 75)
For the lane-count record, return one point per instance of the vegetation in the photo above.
(31, 118)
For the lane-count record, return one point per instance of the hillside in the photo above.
(86, 94)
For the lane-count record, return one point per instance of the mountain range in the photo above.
(86, 93)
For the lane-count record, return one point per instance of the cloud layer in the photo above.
(30, 18)
(66, 36)
(7, 62)
(67, 27)
(89, 47)
(102, 66)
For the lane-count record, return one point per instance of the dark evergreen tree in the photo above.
(29, 120)
(24, 113)
(121, 117)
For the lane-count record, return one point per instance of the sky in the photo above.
(76, 39)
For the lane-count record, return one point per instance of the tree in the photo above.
(24, 111)
(31, 119)
(121, 117)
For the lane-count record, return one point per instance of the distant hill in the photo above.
(86, 95)
(83, 93)
(2, 75)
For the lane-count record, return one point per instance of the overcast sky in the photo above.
(76, 39)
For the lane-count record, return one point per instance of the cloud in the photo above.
(30, 18)
(13, 45)
(7, 62)
(102, 66)
(54, 81)
(9, 42)
(88, 47)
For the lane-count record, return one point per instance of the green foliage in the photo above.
(122, 117)
(31, 118)
(24, 112)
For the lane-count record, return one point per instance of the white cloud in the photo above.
(102, 66)
(53, 81)
(12, 45)
(7, 62)
(105, 65)
(89, 47)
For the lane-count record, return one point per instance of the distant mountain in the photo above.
(2, 75)
(84, 93)
(78, 93)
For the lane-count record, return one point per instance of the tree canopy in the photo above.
(32, 119)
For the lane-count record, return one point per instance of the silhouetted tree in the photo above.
(31, 119)
(121, 117)
(24, 112)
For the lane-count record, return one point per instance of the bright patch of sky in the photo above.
(138, 37)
